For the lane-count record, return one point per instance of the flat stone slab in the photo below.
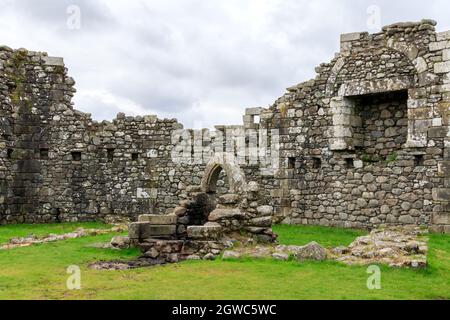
(204, 232)
(219, 214)
(158, 219)
(148, 231)
(401, 246)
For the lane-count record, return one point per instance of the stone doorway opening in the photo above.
(217, 185)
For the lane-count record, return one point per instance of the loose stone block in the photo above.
(204, 232)
(219, 214)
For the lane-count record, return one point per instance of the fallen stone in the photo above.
(231, 255)
(120, 242)
(219, 214)
(204, 232)
(280, 256)
(312, 251)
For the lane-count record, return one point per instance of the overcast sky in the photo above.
(200, 61)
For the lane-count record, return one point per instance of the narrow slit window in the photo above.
(9, 153)
(291, 163)
(110, 153)
(43, 153)
(317, 163)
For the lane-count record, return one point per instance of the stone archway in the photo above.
(225, 162)
(213, 179)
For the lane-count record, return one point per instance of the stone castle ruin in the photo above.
(365, 143)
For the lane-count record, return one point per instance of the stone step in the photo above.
(145, 230)
(148, 231)
(219, 214)
(212, 232)
(158, 219)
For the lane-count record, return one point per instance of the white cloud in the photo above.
(202, 62)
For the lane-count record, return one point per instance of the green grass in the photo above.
(14, 231)
(39, 272)
(327, 237)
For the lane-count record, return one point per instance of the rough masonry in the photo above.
(363, 144)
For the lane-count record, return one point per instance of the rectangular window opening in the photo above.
(291, 163)
(135, 156)
(350, 163)
(419, 160)
(9, 153)
(317, 163)
(76, 156)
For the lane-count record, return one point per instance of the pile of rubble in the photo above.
(79, 233)
(401, 246)
(312, 251)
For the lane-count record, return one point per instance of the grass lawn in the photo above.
(39, 272)
(24, 230)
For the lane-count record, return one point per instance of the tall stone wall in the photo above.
(367, 135)
(364, 143)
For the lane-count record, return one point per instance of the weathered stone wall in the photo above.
(358, 168)
(364, 143)
(56, 164)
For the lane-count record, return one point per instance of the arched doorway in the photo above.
(218, 181)
(222, 176)
(219, 166)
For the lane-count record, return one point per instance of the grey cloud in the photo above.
(199, 61)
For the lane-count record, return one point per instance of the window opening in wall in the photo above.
(317, 163)
(350, 163)
(9, 153)
(256, 119)
(43, 154)
(135, 156)
(76, 156)
(110, 153)
(291, 163)
(378, 124)
(58, 215)
(419, 160)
